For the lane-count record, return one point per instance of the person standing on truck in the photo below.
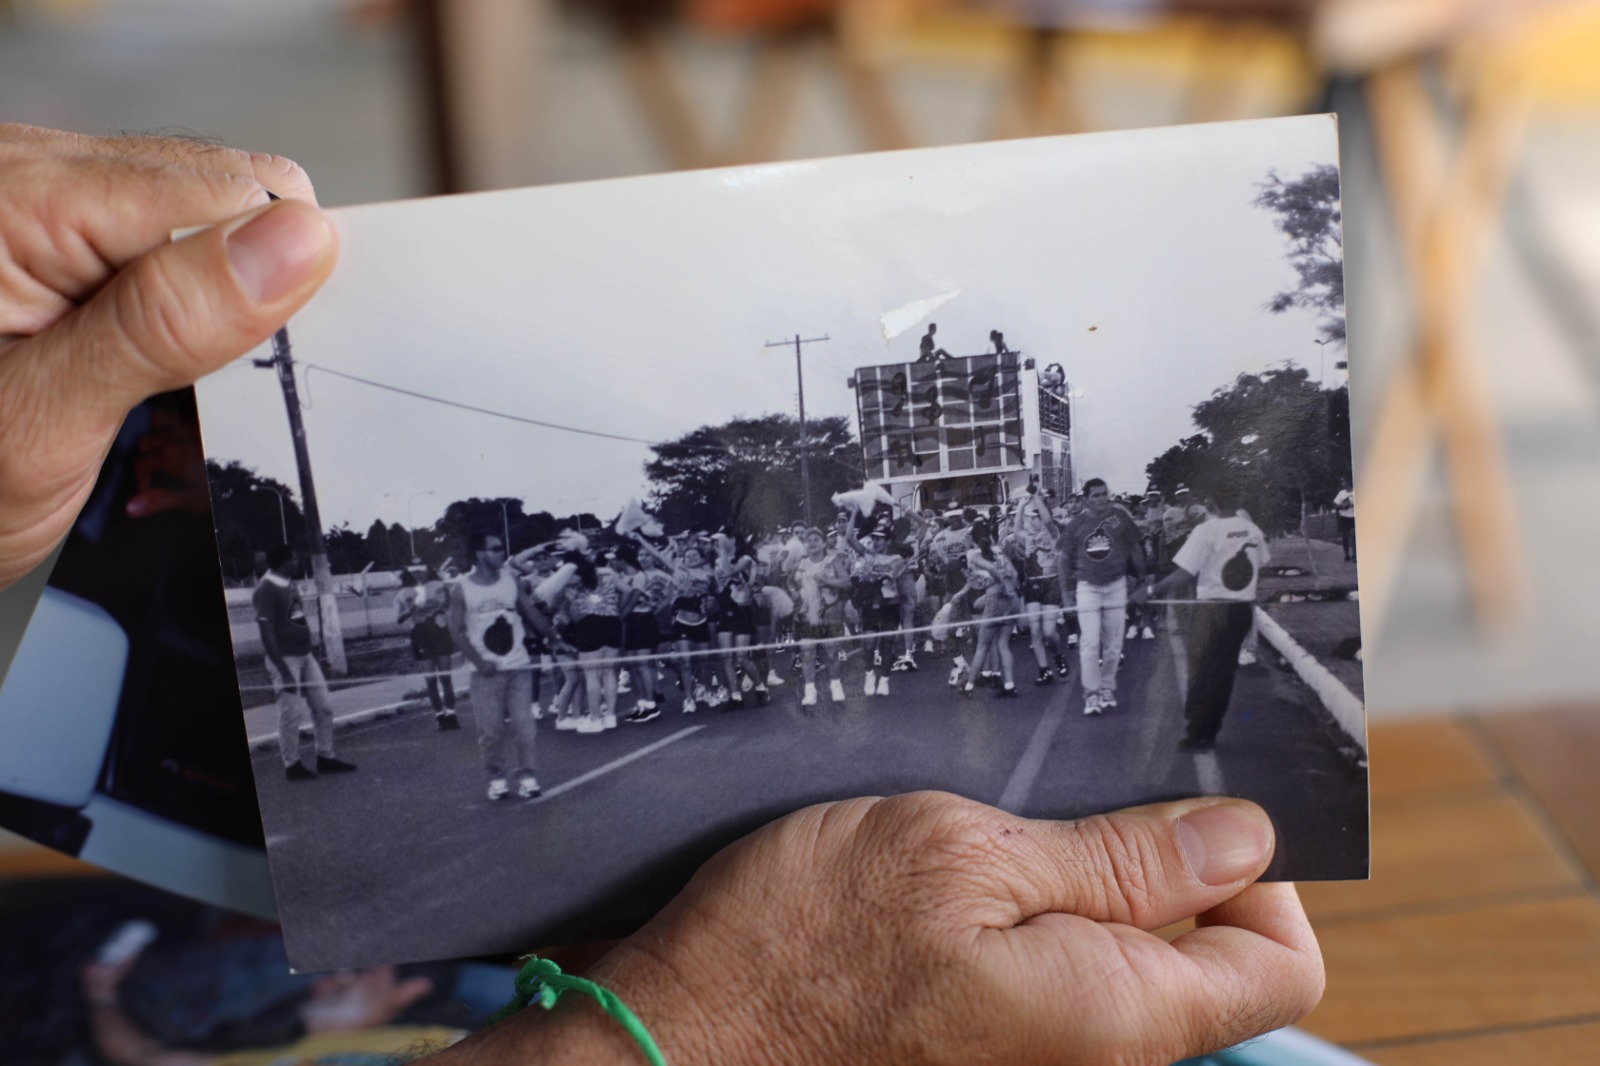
(1100, 549)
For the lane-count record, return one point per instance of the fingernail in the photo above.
(276, 251)
(1226, 842)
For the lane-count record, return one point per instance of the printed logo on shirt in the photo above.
(1098, 544)
(498, 637)
(1239, 572)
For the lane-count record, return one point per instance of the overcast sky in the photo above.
(640, 307)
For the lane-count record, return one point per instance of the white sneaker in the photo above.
(883, 685)
(566, 724)
(1072, 640)
(1091, 704)
(588, 724)
(537, 712)
(1247, 657)
(624, 684)
(810, 697)
(608, 721)
(699, 695)
(688, 706)
(1148, 633)
(927, 647)
(498, 788)
(871, 686)
(1131, 634)
(836, 690)
(773, 680)
(1108, 699)
(717, 697)
(528, 788)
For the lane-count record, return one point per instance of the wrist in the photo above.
(577, 1030)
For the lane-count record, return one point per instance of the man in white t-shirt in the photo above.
(1345, 504)
(1222, 558)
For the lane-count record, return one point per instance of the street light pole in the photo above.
(410, 527)
(800, 388)
(283, 523)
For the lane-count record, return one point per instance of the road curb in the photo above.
(1348, 711)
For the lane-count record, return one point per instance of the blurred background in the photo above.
(1471, 138)
(1471, 167)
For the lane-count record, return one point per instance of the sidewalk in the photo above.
(352, 705)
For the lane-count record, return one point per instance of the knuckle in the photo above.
(157, 320)
(1125, 867)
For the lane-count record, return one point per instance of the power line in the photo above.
(520, 418)
(500, 414)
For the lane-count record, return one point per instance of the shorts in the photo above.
(430, 640)
(1045, 590)
(881, 616)
(738, 619)
(596, 631)
(954, 578)
(823, 630)
(999, 602)
(641, 631)
(699, 633)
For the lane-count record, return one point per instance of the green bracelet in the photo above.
(542, 980)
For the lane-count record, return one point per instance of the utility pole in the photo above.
(800, 383)
(327, 605)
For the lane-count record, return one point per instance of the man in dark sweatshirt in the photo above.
(1100, 550)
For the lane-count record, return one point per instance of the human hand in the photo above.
(98, 310)
(100, 981)
(927, 928)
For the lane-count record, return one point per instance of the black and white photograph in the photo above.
(573, 532)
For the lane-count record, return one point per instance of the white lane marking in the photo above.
(1033, 756)
(615, 764)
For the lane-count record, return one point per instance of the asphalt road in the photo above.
(408, 859)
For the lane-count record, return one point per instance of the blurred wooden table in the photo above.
(1477, 941)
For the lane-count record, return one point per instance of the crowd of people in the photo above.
(1014, 915)
(622, 624)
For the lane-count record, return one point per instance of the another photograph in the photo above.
(571, 533)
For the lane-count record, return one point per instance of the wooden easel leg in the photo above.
(649, 72)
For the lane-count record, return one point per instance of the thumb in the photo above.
(1144, 866)
(182, 311)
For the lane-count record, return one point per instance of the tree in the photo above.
(348, 550)
(379, 547)
(1309, 214)
(1187, 463)
(1280, 439)
(244, 507)
(745, 474)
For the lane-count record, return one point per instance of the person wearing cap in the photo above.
(1222, 559)
(947, 554)
(1100, 550)
(820, 581)
(876, 593)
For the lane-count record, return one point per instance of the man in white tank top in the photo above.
(488, 612)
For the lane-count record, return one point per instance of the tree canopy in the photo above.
(1276, 436)
(1309, 214)
(245, 509)
(745, 474)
